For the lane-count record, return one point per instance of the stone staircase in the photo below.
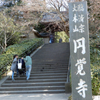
(48, 75)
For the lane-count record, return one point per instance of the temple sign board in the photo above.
(79, 50)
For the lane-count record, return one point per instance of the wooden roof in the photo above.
(53, 22)
(53, 16)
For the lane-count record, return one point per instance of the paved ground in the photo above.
(61, 96)
(96, 97)
(35, 96)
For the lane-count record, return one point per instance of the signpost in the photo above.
(79, 50)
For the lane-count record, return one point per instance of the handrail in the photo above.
(68, 74)
(30, 50)
(68, 81)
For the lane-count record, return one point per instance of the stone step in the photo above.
(41, 77)
(43, 73)
(33, 84)
(32, 88)
(50, 61)
(50, 67)
(51, 71)
(36, 62)
(55, 71)
(47, 74)
(38, 80)
(33, 91)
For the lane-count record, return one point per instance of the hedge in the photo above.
(19, 49)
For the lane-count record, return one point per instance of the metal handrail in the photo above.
(68, 74)
(30, 50)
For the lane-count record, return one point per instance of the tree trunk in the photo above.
(67, 31)
(5, 42)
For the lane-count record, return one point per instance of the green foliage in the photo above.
(39, 27)
(19, 49)
(95, 63)
(18, 3)
(61, 35)
(95, 85)
(9, 32)
(94, 40)
(95, 74)
(95, 56)
(95, 50)
(70, 97)
(14, 39)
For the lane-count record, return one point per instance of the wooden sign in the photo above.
(80, 52)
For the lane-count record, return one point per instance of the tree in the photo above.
(58, 4)
(94, 16)
(61, 8)
(7, 30)
(28, 13)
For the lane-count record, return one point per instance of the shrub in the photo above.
(95, 85)
(19, 49)
(70, 97)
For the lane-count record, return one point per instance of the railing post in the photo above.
(6, 70)
(67, 83)
(68, 74)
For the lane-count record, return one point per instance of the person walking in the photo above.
(60, 40)
(14, 66)
(21, 69)
(28, 63)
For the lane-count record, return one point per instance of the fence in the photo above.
(68, 74)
